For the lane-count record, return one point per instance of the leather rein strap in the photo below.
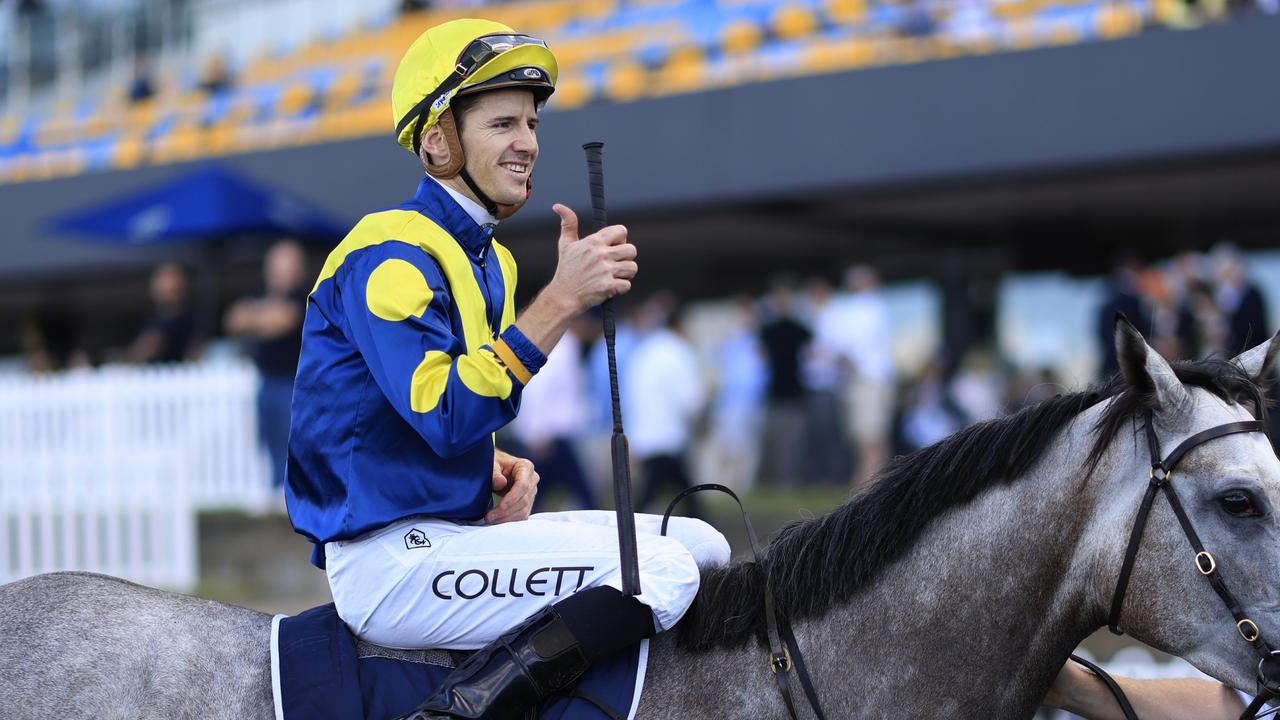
(1160, 476)
(784, 651)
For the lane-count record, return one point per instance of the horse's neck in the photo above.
(992, 598)
(974, 621)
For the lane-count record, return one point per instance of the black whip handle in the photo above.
(622, 501)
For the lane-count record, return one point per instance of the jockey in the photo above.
(412, 357)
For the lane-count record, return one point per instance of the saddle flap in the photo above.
(320, 671)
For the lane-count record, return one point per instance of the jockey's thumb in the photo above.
(568, 224)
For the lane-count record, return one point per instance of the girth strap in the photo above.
(784, 651)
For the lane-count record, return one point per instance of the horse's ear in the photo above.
(1260, 362)
(1144, 370)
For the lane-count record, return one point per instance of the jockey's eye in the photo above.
(1239, 503)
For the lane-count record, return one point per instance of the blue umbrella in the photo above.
(210, 203)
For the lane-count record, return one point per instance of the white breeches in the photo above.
(422, 583)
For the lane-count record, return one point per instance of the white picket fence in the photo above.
(105, 470)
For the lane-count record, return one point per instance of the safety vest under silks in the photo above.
(410, 362)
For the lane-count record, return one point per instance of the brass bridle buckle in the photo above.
(780, 662)
(1248, 630)
(1205, 563)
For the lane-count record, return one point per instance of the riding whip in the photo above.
(621, 455)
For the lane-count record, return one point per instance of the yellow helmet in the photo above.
(457, 58)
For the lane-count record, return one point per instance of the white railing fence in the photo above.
(105, 470)
(132, 518)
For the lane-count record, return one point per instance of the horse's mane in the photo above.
(817, 563)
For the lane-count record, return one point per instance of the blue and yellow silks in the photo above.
(410, 361)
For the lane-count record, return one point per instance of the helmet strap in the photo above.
(488, 204)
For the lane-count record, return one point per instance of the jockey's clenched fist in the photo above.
(515, 482)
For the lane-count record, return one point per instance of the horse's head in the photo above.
(1229, 487)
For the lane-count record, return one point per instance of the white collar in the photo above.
(473, 208)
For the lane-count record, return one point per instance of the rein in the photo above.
(784, 651)
(1160, 478)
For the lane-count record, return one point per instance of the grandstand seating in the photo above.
(610, 51)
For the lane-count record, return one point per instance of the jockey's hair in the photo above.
(817, 563)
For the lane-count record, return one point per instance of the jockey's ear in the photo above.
(1144, 370)
(1260, 362)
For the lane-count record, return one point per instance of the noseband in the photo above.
(1160, 479)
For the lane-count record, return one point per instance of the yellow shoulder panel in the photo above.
(397, 291)
(373, 229)
(412, 227)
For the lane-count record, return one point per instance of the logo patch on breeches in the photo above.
(415, 538)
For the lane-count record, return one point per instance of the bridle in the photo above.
(1160, 478)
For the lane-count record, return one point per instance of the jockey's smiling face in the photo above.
(498, 130)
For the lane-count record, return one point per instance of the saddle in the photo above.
(320, 671)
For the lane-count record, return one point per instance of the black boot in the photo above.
(511, 674)
(545, 654)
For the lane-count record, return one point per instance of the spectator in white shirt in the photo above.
(856, 326)
(663, 398)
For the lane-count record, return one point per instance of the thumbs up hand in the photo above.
(592, 269)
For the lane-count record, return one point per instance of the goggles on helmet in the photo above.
(489, 47)
(475, 55)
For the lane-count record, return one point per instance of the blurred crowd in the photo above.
(1194, 306)
(801, 387)
(798, 387)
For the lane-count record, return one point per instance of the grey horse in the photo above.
(956, 587)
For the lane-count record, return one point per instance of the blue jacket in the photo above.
(409, 363)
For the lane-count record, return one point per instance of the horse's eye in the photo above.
(1239, 503)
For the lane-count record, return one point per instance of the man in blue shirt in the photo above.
(412, 357)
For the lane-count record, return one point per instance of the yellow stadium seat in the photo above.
(295, 98)
(593, 9)
(740, 37)
(625, 80)
(574, 53)
(1117, 20)
(684, 71)
(342, 89)
(825, 57)
(1064, 34)
(792, 22)
(1010, 9)
(850, 13)
(1022, 33)
(220, 139)
(8, 129)
(571, 92)
(548, 17)
(129, 152)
